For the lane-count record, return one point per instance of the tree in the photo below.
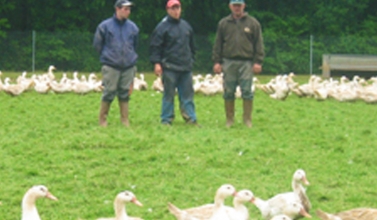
(4, 22)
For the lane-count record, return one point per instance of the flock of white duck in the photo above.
(343, 90)
(46, 82)
(284, 206)
(279, 87)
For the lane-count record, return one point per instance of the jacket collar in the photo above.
(117, 20)
(170, 19)
(230, 17)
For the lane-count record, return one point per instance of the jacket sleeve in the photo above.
(217, 47)
(258, 45)
(98, 39)
(136, 40)
(192, 45)
(156, 46)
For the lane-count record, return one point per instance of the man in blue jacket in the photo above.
(172, 53)
(115, 40)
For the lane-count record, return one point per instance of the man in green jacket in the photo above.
(238, 53)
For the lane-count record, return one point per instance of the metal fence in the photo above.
(70, 51)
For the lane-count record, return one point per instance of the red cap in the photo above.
(171, 3)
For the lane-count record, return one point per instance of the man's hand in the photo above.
(158, 69)
(217, 68)
(257, 68)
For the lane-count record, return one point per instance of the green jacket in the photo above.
(240, 39)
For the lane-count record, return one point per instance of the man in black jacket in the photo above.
(172, 53)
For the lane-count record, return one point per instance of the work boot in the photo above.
(229, 112)
(103, 112)
(184, 114)
(247, 109)
(123, 106)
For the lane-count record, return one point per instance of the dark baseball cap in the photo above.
(121, 3)
(236, 2)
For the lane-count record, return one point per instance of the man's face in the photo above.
(124, 12)
(237, 9)
(174, 11)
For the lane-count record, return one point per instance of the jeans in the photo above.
(182, 81)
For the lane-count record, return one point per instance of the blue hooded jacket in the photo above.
(116, 42)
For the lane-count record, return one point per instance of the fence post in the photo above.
(33, 51)
(311, 54)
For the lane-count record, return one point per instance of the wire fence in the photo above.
(71, 51)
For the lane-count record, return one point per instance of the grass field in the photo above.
(54, 140)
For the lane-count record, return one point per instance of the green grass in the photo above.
(54, 140)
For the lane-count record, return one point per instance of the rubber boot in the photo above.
(103, 112)
(247, 109)
(229, 112)
(123, 106)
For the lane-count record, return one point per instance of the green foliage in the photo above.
(4, 22)
(65, 28)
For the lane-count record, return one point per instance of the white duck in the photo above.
(279, 202)
(157, 85)
(27, 83)
(12, 89)
(238, 92)
(268, 88)
(353, 214)
(81, 86)
(96, 84)
(205, 211)
(281, 217)
(240, 212)
(140, 83)
(281, 88)
(307, 89)
(50, 73)
(210, 87)
(298, 195)
(255, 84)
(120, 206)
(291, 209)
(197, 83)
(220, 211)
(1, 82)
(29, 209)
(60, 87)
(42, 85)
(299, 177)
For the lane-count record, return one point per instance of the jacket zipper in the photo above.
(122, 44)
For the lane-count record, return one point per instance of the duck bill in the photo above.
(306, 182)
(252, 200)
(134, 200)
(52, 197)
(304, 213)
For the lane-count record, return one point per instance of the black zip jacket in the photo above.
(172, 45)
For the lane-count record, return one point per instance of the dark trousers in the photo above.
(182, 81)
